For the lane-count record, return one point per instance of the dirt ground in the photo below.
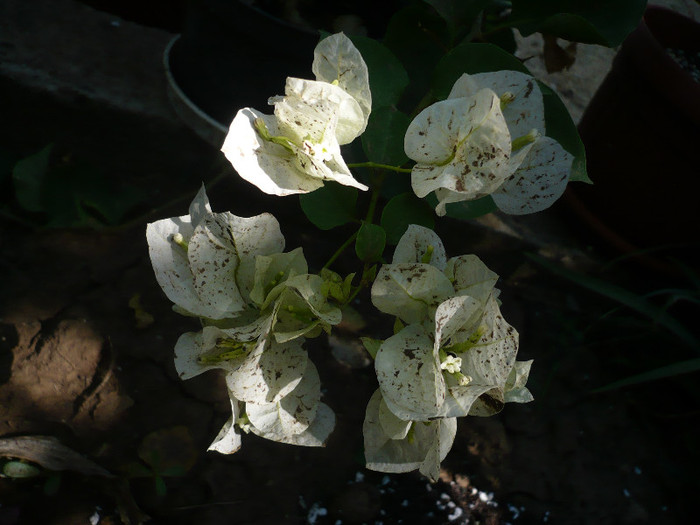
(86, 368)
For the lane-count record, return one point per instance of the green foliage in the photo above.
(29, 176)
(419, 37)
(387, 77)
(383, 139)
(370, 242)
(330, 206)
(561, 128)
(471, 58)
(371, 345)
(629, 299)
(466, 210)
(461, 16)
(604, 22)
(68, 193)
(672, 370)
(402, 210)
(641, 305)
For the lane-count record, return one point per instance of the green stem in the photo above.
(359, 286)
(340, 250)
(376, 190)
(379, 166)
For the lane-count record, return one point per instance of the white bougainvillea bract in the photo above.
(451, 354)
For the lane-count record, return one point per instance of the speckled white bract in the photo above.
(452, 355)
(297, 148)
(256, 304)
(488, 138)
(394, 445)
(337, 61)
(462, 145)
(199, 258)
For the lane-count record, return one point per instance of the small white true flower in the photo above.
(451, 364)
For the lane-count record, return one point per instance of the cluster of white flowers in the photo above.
(256, 304)
(488, 138)
(297, 148)
(452, 355)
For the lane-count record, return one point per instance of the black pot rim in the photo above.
(206, 126)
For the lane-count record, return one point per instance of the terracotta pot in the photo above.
(642, 133)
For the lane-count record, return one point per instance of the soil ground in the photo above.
(81, 363)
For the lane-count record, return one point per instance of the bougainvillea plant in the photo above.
(486, 136)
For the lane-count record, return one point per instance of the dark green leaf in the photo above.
(52, 484)
(624, 297)
(383, 138)
(418, 36)
(403, 210)
(18, 469)
(161, 488)
(467, 209)
(471, 58)
(370, 243)
(29, 175)
(675, 369)
(503, 38)
(395, 183)
(77, 194)
(460, 15)
(7, 162)
(604, 22)
(330, 206)
(561, 128)
(387, 77)
(371, 345)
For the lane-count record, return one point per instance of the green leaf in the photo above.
(7, 163)
(402, 210)
(471, 58)
(77, 194)
(503, 38)
(29, 175)
(161, 488)
(371, 345)
(561, 128)
(468, 209)
(460, 15)
(19, 470)
(52, 484)
(382, 141)
(330, 206)
(387, 77)
(418, 36)
(604, 22)
(370, 242)
(675, 369)
(624, 297)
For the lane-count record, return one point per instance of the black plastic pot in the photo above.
(231, 55)
(642, 132)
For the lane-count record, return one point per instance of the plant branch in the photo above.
(379, 166)
(340, 250)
